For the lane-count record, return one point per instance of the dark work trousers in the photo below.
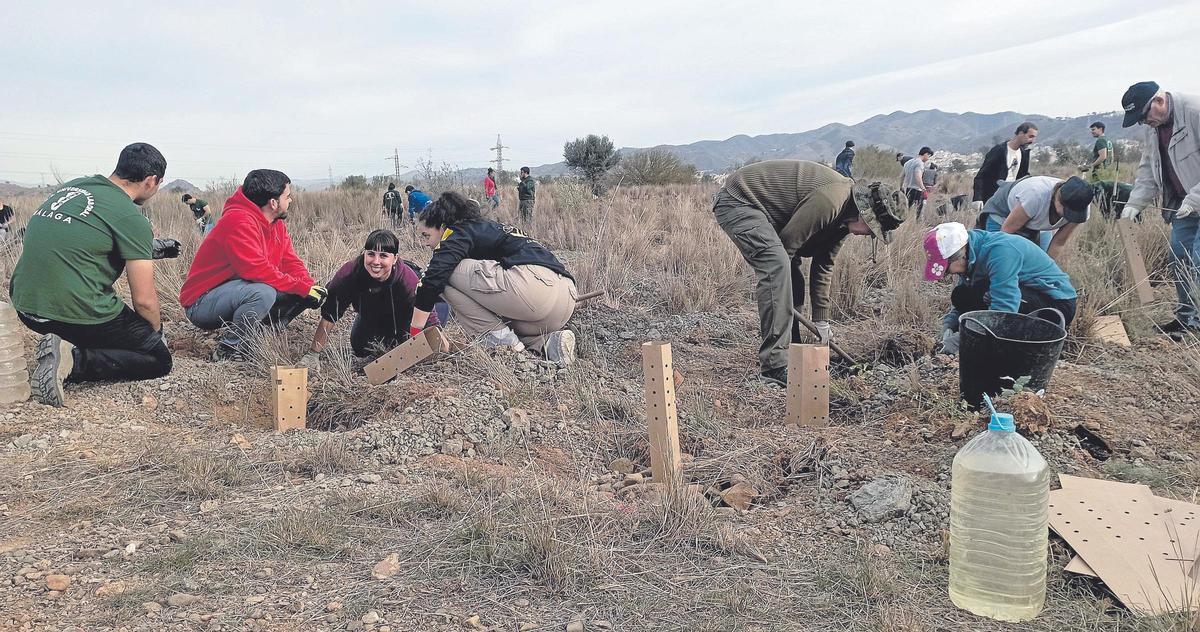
(124, 348)
(916, 197)
(970, 298)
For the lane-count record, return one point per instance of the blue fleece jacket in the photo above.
(417, 201)
(1006, 263)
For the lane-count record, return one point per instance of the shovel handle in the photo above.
(813, 328)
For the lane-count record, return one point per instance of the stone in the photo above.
(739, 496)
(370, 478)
(472, 623)
(1143, 452)
(370, 618)
(386, 567)
(57, 582)
(526, 627)
(622, 466)
(602, 624)
(521, 603)
(517, 420)
(453, 446)
(254, 600)
(884, 498)
(112, 589)
(182, 600)
(333, 606)
(576, 625)
(239, 440)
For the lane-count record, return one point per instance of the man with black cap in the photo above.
(780, 211)
(1043, 209)
(845, 160)
(1170, 168)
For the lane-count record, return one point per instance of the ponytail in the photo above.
(449, 209)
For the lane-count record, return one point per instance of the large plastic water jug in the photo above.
(14, 379)
(999, 509)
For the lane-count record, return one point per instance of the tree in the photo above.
(655, 166)
(957, 165)
(591, 158)
(354, 182)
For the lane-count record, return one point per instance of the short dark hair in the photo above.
(849, 143)
(409, 189)
(925, 151)
(449, 209)
(140, 161)
(490, 170)
(264, 185)
(1025, 127)
(525, 169)
(382, 240)
(391, 186)
(186, 197)
(899, 153)
(1098, 125)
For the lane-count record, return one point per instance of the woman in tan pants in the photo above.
(505, 288)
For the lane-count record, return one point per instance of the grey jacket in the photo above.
(1184, 151)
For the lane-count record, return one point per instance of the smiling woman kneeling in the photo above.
(505, 288)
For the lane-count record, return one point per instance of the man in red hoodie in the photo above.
(246, 272)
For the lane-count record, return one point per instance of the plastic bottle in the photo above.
(999, 509)
(14, 379)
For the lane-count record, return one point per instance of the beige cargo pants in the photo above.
(534, 301)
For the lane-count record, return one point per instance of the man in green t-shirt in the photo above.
(1101, 167)
(77, 243)
(201, 213)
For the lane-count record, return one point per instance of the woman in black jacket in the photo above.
(504, 287)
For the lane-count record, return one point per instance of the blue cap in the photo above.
(1003, 422)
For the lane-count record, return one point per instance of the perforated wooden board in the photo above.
(1111, 329)
(1142, 547)
(661, 416)
(1137, 264)
(808, 385)
(403, 357)
(289, 397)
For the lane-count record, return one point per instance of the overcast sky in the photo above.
(309, 86)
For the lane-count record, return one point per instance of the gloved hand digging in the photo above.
(824, 331)
(950, 341)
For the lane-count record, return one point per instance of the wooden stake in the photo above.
(808, 385)
(1139, 278)
(289, 397)
(665, 460)
(403, 357)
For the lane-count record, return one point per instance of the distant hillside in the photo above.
(180, 186)
(903, 131)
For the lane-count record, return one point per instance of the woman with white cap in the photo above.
(996, 271)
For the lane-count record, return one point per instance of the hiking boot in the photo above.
(226, 353)
(776, 376)
(55, 360)
(1173, 327)
(560, 347)
(504, 338)
(1184, 334)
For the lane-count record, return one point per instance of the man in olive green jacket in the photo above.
(779, 211)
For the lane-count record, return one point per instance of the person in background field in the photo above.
(1170, 168)
(489, 189)
(506, 289)
(1007, 161)
(200, 212)
(1042, 209)
(380, 286)
(1101, 168)
(393, 204)
(525, 195)
(417, 201)
(77, 243)
(246, 272)
(997, 271)
(845, 160)
(914, 180)
(6, 218)
(779, 211)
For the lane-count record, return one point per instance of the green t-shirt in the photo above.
(197, 207)
(1103, 143)
(76, 246)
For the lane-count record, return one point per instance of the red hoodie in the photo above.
(243, 245)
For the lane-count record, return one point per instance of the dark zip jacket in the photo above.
(995, 169)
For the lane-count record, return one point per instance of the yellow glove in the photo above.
(316, 296)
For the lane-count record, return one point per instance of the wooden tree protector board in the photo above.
(1136, 262)
(289, 397)
(666, 463)
(403, 357)
(808, 385)
(1143, 547)
(1111, 329)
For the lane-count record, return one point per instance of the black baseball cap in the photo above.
(1076, 195)
(1136, 101)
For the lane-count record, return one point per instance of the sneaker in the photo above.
(1184, 334)
(776, 376)
(504, 338)
(226, 353)
(560, 347)
(55, 360)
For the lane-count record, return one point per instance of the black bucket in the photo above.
(996, 348)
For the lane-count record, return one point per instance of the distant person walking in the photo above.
(1006, 162)
(845, 160)
(1101, 168)
(200, 212)
(914, 180)
(417, 201)
(393, 204)
(525, 195)
(6, 218)
(489, 189)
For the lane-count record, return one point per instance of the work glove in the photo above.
(950, 342)
(824, 331)
(1130, 212)
(977, 206)
(316, 296)
(310, 361)
(164, 248)
(1185, 210)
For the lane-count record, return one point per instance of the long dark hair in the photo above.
(449, 209)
